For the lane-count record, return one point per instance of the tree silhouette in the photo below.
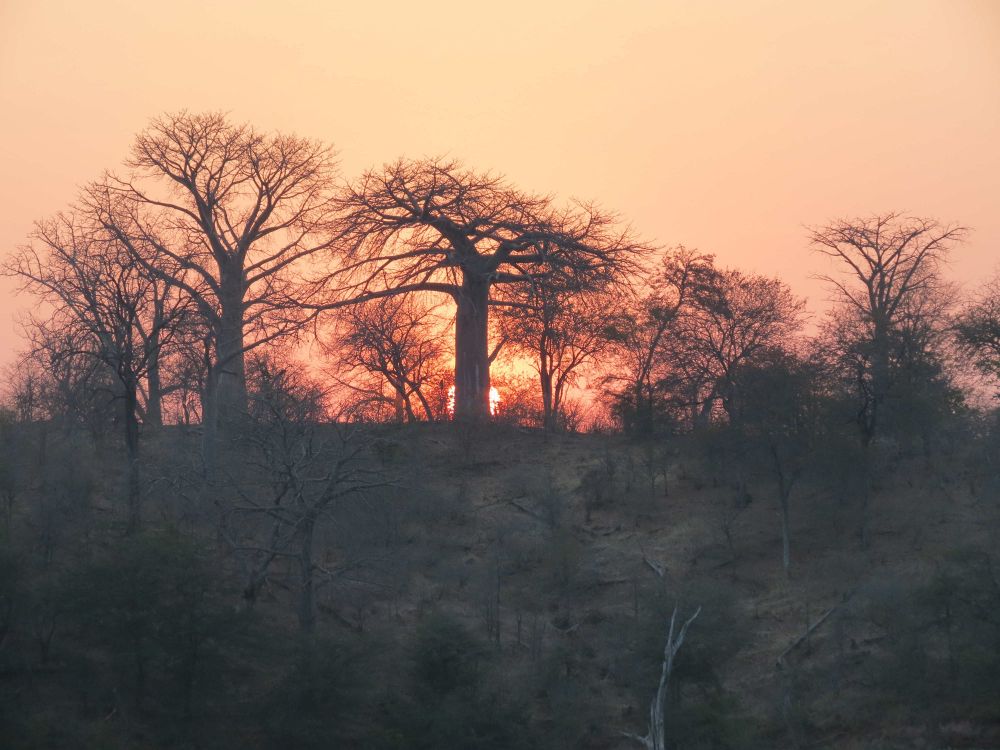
(435, 226)
(889, 263)
(238, 214)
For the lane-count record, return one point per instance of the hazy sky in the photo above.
(725, 126)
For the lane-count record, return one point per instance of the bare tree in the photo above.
(656, 735)
(561, 329)
(780, 418)
(123, 316)
(66, 382)
(746, 316)
(977, 328)
(434, 226)
(641, 330)
(397, 341)
(887, 263)
(301, 471)
(239, 215)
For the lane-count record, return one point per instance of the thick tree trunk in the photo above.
(472, 357)
(880, 382)
(399, 407)
(231, 383)
(225, 400)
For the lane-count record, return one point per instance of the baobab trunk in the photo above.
(399, 407)
(225, 398)
(880, 382)
(472, 357)
(231, 383)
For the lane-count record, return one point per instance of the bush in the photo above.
(451, 698)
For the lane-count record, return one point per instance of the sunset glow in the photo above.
(734, 265)
(494, 401)
(725, 126)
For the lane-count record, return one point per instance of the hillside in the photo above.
(551, 564)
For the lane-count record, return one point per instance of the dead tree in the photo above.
(656, 736)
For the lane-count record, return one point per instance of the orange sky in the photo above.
(721, 125)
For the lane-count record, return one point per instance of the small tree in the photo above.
(890, 269)
(301, 472)
(641, 331)
(746, 316)
(396, 341)
(780, 419)
(560, 329)
(977, 327)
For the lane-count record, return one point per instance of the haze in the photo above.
(723, 126)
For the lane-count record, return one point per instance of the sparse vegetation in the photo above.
(693, 526)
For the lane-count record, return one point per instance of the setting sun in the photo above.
(494, 401)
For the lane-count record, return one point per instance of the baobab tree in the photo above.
(889, 267)
(239, 215)
(435, 226)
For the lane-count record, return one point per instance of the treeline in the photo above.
(218, 243)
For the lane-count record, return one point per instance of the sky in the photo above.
(729, 126)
